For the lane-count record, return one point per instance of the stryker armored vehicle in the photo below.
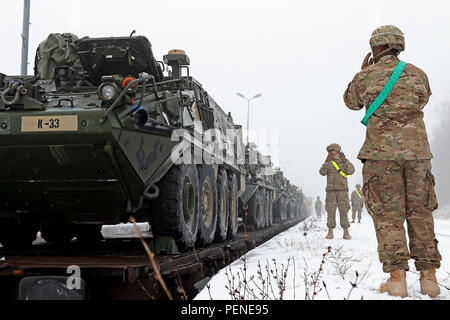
(99, 133)
(109, 136)
(282, 196)
(257, 199)
(298, 202)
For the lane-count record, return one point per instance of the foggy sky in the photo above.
(299, 55)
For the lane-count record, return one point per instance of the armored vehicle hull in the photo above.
(108, 136)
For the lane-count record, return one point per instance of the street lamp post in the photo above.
(25, 37)
(248, 107)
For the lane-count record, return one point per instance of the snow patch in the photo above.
(289, 266)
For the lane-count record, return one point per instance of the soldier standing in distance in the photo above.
(398, 183)
(357, 203)
(337, 168)
(318, 207)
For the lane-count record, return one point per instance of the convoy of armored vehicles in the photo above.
(100, 134)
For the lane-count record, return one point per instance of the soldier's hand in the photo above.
(367, 62)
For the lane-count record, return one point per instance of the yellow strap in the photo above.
(358, 193)
(338, 169)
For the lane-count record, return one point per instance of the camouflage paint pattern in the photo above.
(395, 191)
(337, 199)
(395, 131)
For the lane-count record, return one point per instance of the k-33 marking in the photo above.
(49, 123)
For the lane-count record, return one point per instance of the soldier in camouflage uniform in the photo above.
(318, 207)
(398, 183)
(357, 200)
(337, 168)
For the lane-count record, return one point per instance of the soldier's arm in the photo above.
(323, 170)
(350, 168)
(423, 99)
(352, 97)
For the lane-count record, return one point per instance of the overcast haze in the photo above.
(300, 56)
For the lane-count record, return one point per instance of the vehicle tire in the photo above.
(232, 206)
(223, 211)
(207, 222)
(175, 212)
(255, 211)
(291, 210)
(270, 213)
(58, 233)
(265, 222)
(17, 235)
(262, 219)
(277, 211)
(89, 233)
(283, 209)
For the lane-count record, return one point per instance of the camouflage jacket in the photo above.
(335, 181)
(356, 200)
(396, 131)
(318, 205)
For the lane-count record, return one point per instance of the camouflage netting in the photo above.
(388, 35)
(57, 50)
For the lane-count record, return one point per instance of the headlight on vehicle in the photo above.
(108, 92)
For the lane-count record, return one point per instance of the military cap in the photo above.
(388, 35)
(334, 146)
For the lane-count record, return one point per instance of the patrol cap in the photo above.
(388, 35)
(334, 147)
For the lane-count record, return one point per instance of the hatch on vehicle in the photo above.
(117, 55)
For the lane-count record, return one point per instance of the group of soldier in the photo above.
(356, 201)
(397, 181)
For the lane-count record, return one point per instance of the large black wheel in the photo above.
(291, 210)
(59, 233)
(277, 210)
(265, 222)
(283, 209)
(207, 222)
(255, 213)
(175, 212)
(270, 209)
(17, 235)
(223, 211)
(89, 233)
(232, 206)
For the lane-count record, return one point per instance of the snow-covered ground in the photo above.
(304, 245)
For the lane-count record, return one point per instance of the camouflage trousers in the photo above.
(396, 191)
(337, 199)
(318, 213)
(356, 208)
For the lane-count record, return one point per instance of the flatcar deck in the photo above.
(121, 269)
